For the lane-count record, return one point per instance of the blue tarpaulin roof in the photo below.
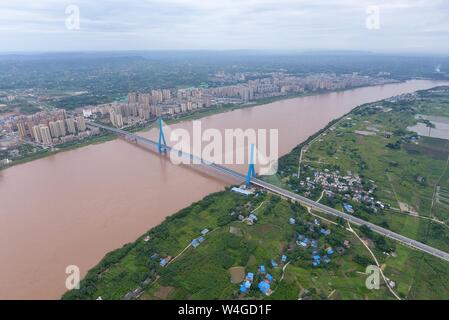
(244, 287)
(264, 287)
(195, 243)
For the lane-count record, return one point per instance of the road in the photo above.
(282, 192)
(333, 212)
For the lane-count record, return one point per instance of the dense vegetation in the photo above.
(205, 272)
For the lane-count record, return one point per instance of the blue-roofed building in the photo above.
(304, 243)
(252, 217)
(325, 232)
(201, 239)
(264, 287)
(245, 286)
(291, 221)
(163, 262)
(204, 232)
(329, 251)
(269, 277)
(250, 276)
(195, 243)
(314, 244)
(262, 268)
(316, 263)
(348, 208)
(316, 257)
(283, 258)
(241, 191)
(273, 263)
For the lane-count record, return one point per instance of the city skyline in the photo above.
(402, 26)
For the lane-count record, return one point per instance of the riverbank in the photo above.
(106, 195)
(195, 115)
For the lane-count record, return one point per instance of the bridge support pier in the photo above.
(251, 170)
(162, 144)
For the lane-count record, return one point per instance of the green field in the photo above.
(204, 272)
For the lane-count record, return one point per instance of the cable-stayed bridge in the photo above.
(161, 147)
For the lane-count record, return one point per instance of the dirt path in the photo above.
(375, 260)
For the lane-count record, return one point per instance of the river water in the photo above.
(74, 207)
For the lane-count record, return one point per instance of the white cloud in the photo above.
(224, 24)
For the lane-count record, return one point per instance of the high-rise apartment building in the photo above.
(54, 129)
(36, 131)
(46, 135)
(116, 119)
(132, 97)
(62, 129)
(144, 98)
(156, 96)
(166, 94)
(81, 123)
(22, 129)
(70, 125)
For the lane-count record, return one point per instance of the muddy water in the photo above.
(74, 207)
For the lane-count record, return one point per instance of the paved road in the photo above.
(285, 193)
(331, 211)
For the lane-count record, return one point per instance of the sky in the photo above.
(385, 26)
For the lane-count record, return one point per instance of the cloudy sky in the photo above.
(414, 26)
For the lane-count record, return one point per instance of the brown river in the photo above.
(73, 207)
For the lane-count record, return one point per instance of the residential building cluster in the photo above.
(310, 241)
(265, 279)
(350, 186)
(49, 128)
(142, 106)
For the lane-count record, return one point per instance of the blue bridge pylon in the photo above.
(251, 169)
(162, 144)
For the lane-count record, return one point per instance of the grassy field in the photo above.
(205, 272)
(373, 142)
